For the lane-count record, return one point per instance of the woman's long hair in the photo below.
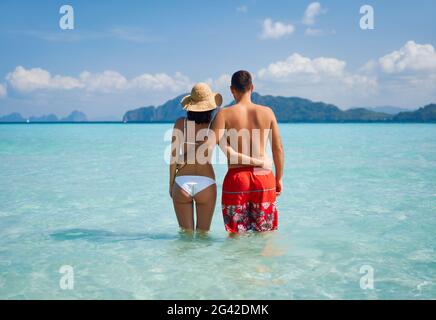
(200, 117)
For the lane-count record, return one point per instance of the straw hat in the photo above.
(201, 99)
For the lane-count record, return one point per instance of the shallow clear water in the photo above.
(95, 197)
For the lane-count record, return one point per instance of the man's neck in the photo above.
(244, 99)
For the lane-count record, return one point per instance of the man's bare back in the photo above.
(248, 126)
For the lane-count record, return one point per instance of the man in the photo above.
(249, 193)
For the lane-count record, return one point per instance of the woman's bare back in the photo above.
(189, 162)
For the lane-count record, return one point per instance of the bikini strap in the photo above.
(185, 141)
(208, 127)
(210, 123)
(185, 138)
(185, 133)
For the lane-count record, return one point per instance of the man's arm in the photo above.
(277, 151)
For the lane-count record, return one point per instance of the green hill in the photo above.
(424, 114)
(168, 112)
(295, 109)
(286, 109)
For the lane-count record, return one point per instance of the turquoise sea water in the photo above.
(94, 197)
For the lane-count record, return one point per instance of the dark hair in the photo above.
(200, 117)
(241, 81)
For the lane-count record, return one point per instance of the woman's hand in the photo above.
(171, 190)
(267, 163)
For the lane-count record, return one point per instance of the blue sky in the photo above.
(126, 54)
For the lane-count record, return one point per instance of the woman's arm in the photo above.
(175, 150)
(243, 158)
(172, 178)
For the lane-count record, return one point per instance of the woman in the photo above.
(192, 179)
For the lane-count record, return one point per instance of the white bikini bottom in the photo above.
(194, 184)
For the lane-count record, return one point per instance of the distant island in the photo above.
(387, 109)
(75, 116)
(293, 109)
(286, 109)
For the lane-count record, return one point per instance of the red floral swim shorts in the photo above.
(249, 200)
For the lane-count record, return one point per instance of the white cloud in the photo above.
(161, 81)
(406, 76)
(362, 81)
(129, 34)
(411, 66)
(312, 11)
(320, 78)
(403, 77)
(221, 85)
(28, 80)
(411, 57)
(104, 82)
(297, 64)
(275, 30)
(369, 67)
(223, 81)
(314, 32)
(37, 78)
(242, 9)
(3, 91)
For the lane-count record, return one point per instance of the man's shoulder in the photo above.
(226, 110)
(264, 109)
(261, 106)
